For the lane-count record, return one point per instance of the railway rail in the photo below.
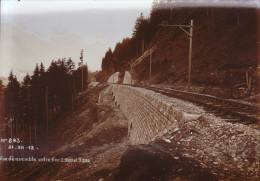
(229, 110)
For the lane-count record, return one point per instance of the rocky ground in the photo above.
(97, 130)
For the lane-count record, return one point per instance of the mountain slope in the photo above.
(225, 45)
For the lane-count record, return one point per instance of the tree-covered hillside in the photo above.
(225, 45)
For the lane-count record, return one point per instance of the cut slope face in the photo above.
(128, 78)
(114, 78)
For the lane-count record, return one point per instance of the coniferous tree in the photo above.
(27, 116)
(12, 104)
(42, 99)
(12, 96)
(36, 96)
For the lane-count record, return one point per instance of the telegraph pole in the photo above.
(190, 53)
(190, 34)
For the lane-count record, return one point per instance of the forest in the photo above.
(34, 107)
(130, 48)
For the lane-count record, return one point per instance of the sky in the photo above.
(42, 31)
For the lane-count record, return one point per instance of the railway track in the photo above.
(229, 110)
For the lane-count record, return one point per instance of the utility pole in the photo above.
(190, 34)
(190, 52)
(81, 63)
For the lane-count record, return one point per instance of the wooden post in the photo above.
(190, 53)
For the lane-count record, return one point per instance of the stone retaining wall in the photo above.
(148, 116)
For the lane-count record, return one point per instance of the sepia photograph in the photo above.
(129, 90)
